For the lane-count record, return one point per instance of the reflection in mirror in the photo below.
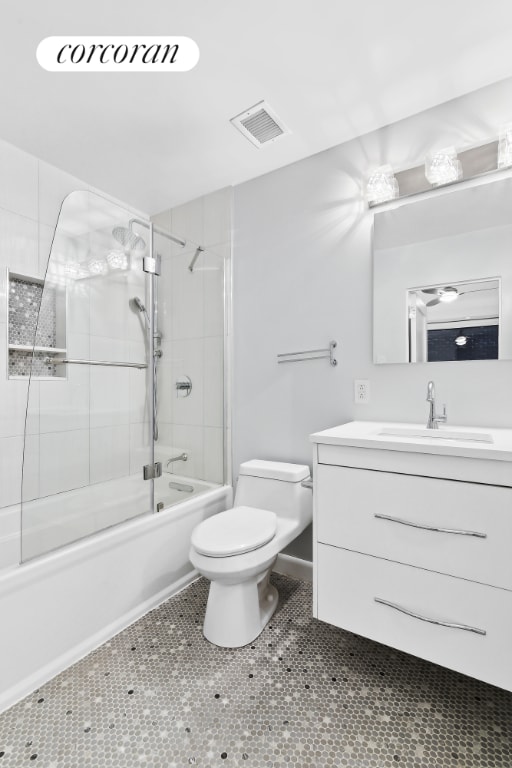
(454, 322)
(443, 277)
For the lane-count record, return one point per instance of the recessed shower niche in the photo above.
(36, 326)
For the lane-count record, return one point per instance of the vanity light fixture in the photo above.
(75, 270)
(97, 267)
(117, 260)
(381, 186)
(505, 147)
(443, 167)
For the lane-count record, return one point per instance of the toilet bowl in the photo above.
(236, 549)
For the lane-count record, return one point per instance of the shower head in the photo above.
(136, 304)
(128, 239)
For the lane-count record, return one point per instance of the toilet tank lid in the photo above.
(275, 470)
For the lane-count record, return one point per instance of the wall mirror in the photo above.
(442, 271)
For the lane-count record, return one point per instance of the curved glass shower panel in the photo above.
(87, 426)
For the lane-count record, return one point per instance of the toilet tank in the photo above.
(276, 486)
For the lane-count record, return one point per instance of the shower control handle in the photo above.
(183, 386)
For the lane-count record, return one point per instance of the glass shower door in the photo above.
(81, 337)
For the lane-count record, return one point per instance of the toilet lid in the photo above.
(234, 532)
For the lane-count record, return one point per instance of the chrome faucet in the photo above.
(433, 419)
(181, 457)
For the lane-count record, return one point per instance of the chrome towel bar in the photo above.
(310, 354)
(69, 361)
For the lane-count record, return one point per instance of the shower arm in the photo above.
(199, 251)
(158, 231)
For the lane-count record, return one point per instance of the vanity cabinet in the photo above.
(406, 556)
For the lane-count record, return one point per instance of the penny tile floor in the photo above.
(303, 694)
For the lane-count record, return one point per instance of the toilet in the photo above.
(237, 549)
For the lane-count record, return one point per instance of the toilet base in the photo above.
(237, 613)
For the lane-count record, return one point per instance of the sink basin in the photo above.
(438, 434)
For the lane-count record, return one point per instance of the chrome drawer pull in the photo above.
(465, 627)
(430, 527)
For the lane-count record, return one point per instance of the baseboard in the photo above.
(294, 567)
(28, 685)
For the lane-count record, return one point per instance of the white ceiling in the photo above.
(331, 69)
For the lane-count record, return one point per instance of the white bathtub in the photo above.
(58, 607)
(55, 521)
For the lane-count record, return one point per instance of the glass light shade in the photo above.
(97, 267)
(448, 294)
(117, 260)
(443, 167)
(381, 186)
(74, 270)
(505, 147)
(461, 341)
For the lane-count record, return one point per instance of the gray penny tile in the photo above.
(303, 694)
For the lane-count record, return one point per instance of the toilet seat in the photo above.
(234, 532)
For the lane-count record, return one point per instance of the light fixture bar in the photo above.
(475, 162)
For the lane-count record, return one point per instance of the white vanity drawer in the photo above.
(347, 584)
(348, 501)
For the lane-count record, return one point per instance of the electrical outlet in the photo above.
(361, 391)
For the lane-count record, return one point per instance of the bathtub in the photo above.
(59, 606)
(55, 521)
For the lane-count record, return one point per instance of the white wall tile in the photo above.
(109, 453)
(139, 383)
(187, 360)
(187, 302)
(164, 447)
(213, 288)
(18, 181)
(187, 223)
(217, 217)
(191, 308)
(13, 398)
(213, 455)
(11, 463)
(54, 187)
(78, 308)
(64, 461)
(165, 299)
(18, 245)
(139, 447)
(109, 308)
(190, 440)
(64, 403)
(162, 220)
(213, 395)
(166, 379)
(109, 386)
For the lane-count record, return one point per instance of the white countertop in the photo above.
(366, 434)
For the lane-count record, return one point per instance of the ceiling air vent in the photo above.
(260, 125)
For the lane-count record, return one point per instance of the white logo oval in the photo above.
(117, 54)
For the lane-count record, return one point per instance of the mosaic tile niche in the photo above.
(36, 316)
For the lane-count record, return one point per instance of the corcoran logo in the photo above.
(117, 54)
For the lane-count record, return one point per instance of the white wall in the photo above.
(303, 275)
(81, 428)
